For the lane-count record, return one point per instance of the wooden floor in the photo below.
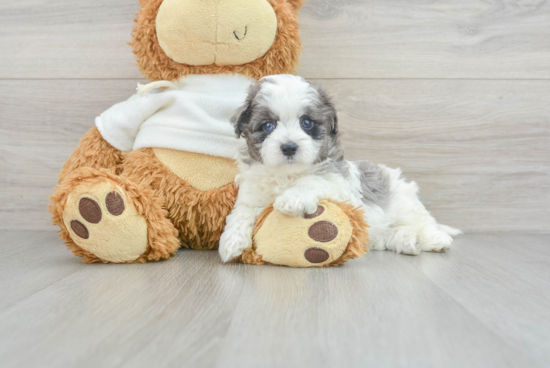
(486, 303)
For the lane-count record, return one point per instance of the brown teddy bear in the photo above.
(156, 172)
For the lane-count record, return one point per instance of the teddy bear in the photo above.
(157, 172)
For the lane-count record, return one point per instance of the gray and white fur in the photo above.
(292, 156)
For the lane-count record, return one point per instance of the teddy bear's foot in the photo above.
(101, 221)
(107, 218)
(335, 233)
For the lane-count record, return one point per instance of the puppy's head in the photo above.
(287, 122)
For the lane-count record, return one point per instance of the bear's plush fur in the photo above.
(158, 210)
(293, 240)
(282, 57)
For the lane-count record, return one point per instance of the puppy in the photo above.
(293, 158)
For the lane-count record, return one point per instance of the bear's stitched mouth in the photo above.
(245, 32)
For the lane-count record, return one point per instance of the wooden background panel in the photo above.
(67, 39)
(426, 39)
(41, 123)
(478, 149)
(342, 39)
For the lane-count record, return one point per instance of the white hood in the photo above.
(193, 118)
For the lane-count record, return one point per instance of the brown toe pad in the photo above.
(79, 229)
(323, 231)
(316, 255)
(90, 210)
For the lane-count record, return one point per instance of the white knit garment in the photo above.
(194, 118)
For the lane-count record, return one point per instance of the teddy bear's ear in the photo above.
(296, 4)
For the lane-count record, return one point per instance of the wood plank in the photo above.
(384, 310)
(67, 39)
(41, 123)
(478, 149)
(376, 312)
(497, 278)
(173, 312)
(426, 39)
(36, 259)
(342, 39)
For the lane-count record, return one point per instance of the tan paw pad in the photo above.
(315, 240)
(100, 221)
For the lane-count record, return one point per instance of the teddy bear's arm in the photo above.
(115, 131)
(121, 123)
(92, 151)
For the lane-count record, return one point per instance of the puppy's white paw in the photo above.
(435, 240)
(408, 246)
(232, 245)
(405, 241)
(295, 205)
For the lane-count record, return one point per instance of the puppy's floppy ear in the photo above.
(244, 113)
(241, 117)
(334, 129)
(328, 109)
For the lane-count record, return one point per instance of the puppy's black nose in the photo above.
(289, 149)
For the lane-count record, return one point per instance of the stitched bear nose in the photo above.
(289, 149)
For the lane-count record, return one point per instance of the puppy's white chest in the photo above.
(261, 190)
(277, 185)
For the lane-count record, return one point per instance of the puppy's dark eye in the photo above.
(307, 124)
(268, 127)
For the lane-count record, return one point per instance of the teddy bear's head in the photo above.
(174, 38)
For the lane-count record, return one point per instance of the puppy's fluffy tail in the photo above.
(449, 230)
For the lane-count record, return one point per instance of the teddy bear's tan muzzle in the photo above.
(220, 32)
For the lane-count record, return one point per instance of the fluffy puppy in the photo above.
(293, 158)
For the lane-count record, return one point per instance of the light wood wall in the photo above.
(456, 93)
